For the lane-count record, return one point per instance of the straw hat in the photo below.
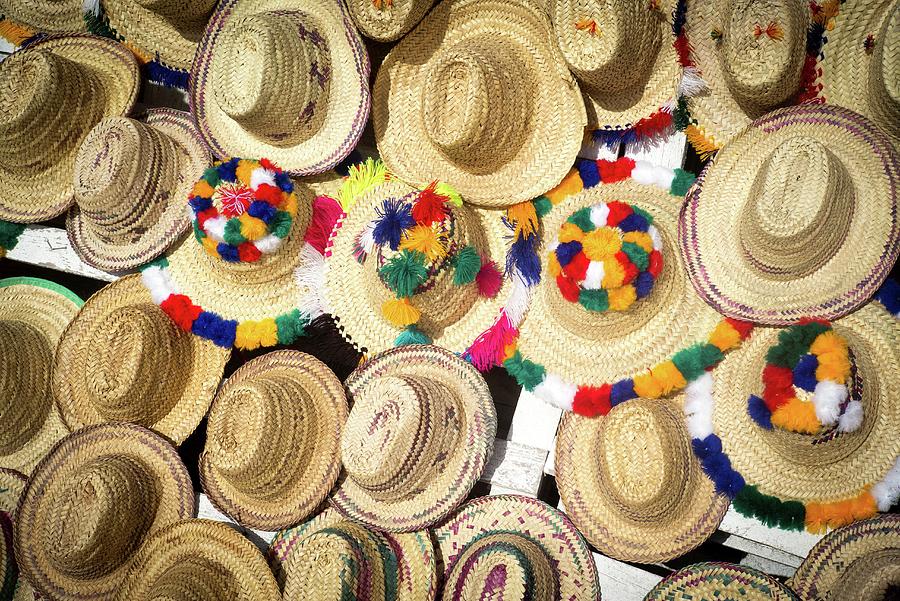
(121, 359)
(90, 505)
(418, 437)
(196, 560)
(631, 484)
(719, 580)
(860, 562)
(279, 415)
(478, 96)
(796, 218)
(13, 588)
(55, 91)
(387, 20)
(328, 558)
(50, 16)
(131, 179)
(283, 79)
(507, 546)
(33, 315)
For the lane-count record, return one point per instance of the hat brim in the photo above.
(12, 484)
(51, 19)
(389, 23)
(714, 580)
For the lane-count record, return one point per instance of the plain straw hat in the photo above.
(796, 218)
(49, 16)
(860, 562)
(131, 179)
(122, 359)
(33, 315)
(632, 485)
(719, 580)
(420, 431)
(54, 92)
(328, 558)
(90, 505)
(282, 79)
(478, 96)
(387, 20)
(12, 587)
(272, 450)
(198, 560)
(509, 546)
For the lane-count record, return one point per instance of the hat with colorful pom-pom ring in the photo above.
(12, 587)
(720, 580)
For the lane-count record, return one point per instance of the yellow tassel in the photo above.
(13, 33)
(553, 265)
(642, 239)
(797, 416)
(210, 246)
(252, 228)
(646, 386)
(400, 312)
(425, 240)
(621, 298)
(704, 147)
(245, 169)
(571, 184)
(361, 179)
(613, 274)
(254, 334)
(725, 337)
(601, 244)
(525, 218)
(569, 232)
(668, 376)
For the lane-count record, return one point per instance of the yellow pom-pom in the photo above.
(621, 298)
(202, 188)
(244, 170)
(725, 337)
(601, 244)
(254, 334)
(210, 246)
(668, 377)
(797, 416)
(400, 312)
(569, 232)
(524, 216)
(646, 386)
(252, 228)
(424, 239)
(833, 366)
(553, 265)
(289, 203)
(642, 239)
(570, 185)
(613, 275)
(828, 342)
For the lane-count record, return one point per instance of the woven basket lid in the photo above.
(751, 56)
(131, 179)
(90, 505)
(282, 79)
(33, 315)
(478, 96)
(387, 20)
(796, 218)
(328, 558)
(122, 359)
(858, 562)
(50, 16)
(513, 547)
(12, 483)
(51, 88)
(279, 415)
(719, 580)
(632, 485)
(418, 437)
(196, 560)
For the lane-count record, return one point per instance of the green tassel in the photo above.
(682, 182)
(99, 25)
(232, 233)
(412, 335)
(404, 272)
(582, 218)
(445, 189)
(158, 262)
(527, 373)
(290, 326)
(281, 224)
(637, 255)
(594, 300)
(467, 264)
(681, 116)
(542, 205)
(9, 234)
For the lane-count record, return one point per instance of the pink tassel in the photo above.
(487, 350)
(326, 212)
(489, 279)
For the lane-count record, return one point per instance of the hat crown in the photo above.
(884, 77)
(194, 578)
(179, 11)
(24, 384)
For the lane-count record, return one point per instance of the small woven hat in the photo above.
(13, 588)
(387, 20)
(131, 179)
(33, 315)
(283, 79)
(121, 359)
(419, 434)
(478, 96)
(245, 469)
(513, 547)
(329, 558)
(719, 580)
(54, 92)
(857, 562)
(197, 560)
(796, 218)
(90, 505)
(631, 484)
(50, 16)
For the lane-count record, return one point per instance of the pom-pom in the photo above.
(617, 212)
(568, 288)
(694, 360)
(404, 273)
(220, 331)
(796, 416)
(852, 417)
(400, 312)
(724, 336)
(577, 267)
(250, 335)
(424, 239)
(280, 225)
(290, 326)
(489, 279)
(614, 171)
(467, 264)
(252, 228)
(527, 373)
(758, 412)
(601, 243)
(542, 205)
(682, 182)
(828, 397)
(412, 335)
(394, 218)
(587, 169)
(592, 401)
(248, 253)
(449, 192)
(524, 218)
(566, 251)
(622, 391)
(429, 207)
(181, 310)
(805, 372)
(592, 300)
(556, 391)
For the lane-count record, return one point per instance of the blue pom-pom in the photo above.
(228, 252)
(633, 223)
(262, 210)
(227, 170)
(622, 391)
(727, 481)
(198, 203)
(212, 327)
(523, 259)
(566, 251)
(805, 372)
(587, 169)
(759, 412)
(889, 296)
(704, 447)
(394, 218)
(283, 180)
(643, 284)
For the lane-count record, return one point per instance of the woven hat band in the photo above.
(272, 75)
(869, 577)
(24, 381)
(801, 206)
(179, 12)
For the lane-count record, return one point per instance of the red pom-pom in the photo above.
(267, 164)
(270, 194)
(778, 382)
(181, 310)
(577, 267)
(743, 327)
(655, 263)
(617, 212)
(615, 171)
(631, 270)
(489, 279)
(806, 320)
(568, 288)
(209, 213)
(430, 207)
(248, 253)
(592, 401)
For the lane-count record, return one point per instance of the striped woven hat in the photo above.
(12, 587)
(387, 20)
(719, 580)
(331, 559)
(33, 315)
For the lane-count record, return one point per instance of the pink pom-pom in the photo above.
(489, 279)
(326, 212)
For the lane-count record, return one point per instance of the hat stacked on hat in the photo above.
(387, 20)
(12, 483)
(715, 580)
(49, 16)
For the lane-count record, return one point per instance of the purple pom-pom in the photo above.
(394, 218)
(566, 251)
(759, 412)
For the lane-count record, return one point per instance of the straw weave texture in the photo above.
(719, 580)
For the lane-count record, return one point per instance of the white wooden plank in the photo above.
(665, 154)
(787, 560)
(768, 566)
(49, 247)
(515, 467)
(550, 464)
(794, 543)
(621, 581)
(534, 422)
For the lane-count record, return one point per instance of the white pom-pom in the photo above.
(663, 177)
(886, 492)
(657, 239)
(593, 278)
(268, 243)
(261, 176)
(852, 418)
(215, 228)
(691, 83)
(156, 280)
(644, 173)
(556, 391)
(599, 214)
(91, 7)
(827, 400)
(699, 405)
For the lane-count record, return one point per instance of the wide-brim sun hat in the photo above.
(57, 89)
(508, 545)
(12, 587)
(387, 20)
(419, 434)
(34, 313)
(48, 16)
(131, 179)
(122, 359)
(720, 580)
(281, 79)
(90, 505)
(327, 557)
(267, 481)
(199, 559)
(797, 218)
(478, 96)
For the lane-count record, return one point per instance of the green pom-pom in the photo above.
(445, 189)
(793, 343)
(232, 233)
(582, 218)
(281, 224)
(527, 373)
(412, 335)
(594, 300)
(647, 216)
(637, 255)
(9, 234)
(404, 272)
(467, 264)
(771, 511)
(211, 176)
(542, 205)
(290, 326)
(682, 182)
(694, 360)
(198, 233)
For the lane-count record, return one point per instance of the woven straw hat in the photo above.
(33, 315)
(796, 218)
(478, 96)
(719, 580)
(854, 563)
(507, 546)
(282, 79)
(51, 16)
(122, 359)
(90, 505)
(329, 559)
(387, 20)
(131, 179)
(631, 484)
(197, 560)
(54, 92)
(245, 469)
(13, 588)
(751, 55)
(419, 434)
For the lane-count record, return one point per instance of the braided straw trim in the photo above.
(714, 580)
